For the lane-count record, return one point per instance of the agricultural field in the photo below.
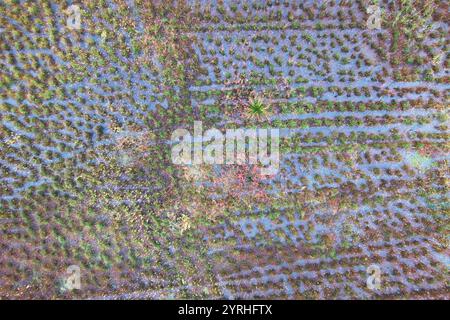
(91, 93)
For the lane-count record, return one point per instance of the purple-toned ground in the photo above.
(86, 177)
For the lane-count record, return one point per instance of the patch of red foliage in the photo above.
(242, 181)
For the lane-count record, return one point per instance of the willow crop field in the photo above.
(95, 205)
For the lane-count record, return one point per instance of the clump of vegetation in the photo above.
(411, 24)
(257, 108)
